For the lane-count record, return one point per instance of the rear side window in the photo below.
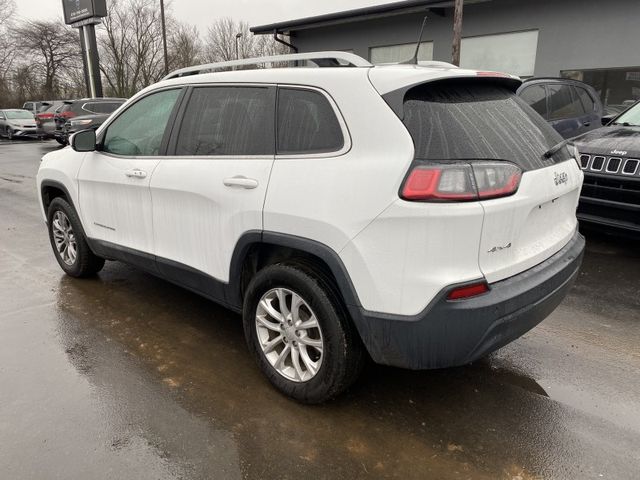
(586, 99)
(536, 97)
(228, 121)
(103, 107)
(469, 120)
(306, 123)
(562, 103)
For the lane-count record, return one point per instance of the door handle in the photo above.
(136, 173)
(587, 124)
(241, 182)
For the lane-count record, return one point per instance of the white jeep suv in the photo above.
(421, 215)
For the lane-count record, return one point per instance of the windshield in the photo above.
(630, 117)
(464, 119)
(19, 115)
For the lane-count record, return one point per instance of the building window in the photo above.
(400, 53)
(619, 88)
(513, 53)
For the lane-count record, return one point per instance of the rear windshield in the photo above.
(467, 120)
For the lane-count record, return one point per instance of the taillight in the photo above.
(468, 291)
(461, 181)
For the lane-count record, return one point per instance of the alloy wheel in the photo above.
(64, 238)
(289, 335)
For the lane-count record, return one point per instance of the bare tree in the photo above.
(47, 47)
(7, 50)
(220, 42)
(185, 48)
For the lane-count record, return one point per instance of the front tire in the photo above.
(69, 242)
(9, 133)
(299, 333)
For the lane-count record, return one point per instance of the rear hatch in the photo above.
(481, 120)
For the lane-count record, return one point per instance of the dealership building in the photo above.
(596, 41)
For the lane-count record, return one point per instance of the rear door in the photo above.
(115, 199)
(211, 189)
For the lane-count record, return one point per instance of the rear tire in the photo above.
(324, 355)
(69, 243)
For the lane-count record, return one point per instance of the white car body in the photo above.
(399, 256)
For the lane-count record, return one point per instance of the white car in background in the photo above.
(17, 123)
(420, 215)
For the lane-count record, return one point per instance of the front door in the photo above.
(115, 199)
(212, 188)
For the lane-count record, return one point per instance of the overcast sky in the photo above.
(203, 12)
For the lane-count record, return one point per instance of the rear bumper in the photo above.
(452, 333)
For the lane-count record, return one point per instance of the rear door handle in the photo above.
(136, 173)
(241, 182)
(587, 124)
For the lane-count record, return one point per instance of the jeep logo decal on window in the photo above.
(560, 178)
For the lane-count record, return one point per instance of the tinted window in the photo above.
(472, 120)
(138, 131)
(306, 123)
(587, 102)
(562, 103)
(536, 97)
(103, 107)
(228, 121)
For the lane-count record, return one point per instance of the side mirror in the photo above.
(606, 119)
(84, 141)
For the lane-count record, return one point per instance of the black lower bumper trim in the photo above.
(452, 333)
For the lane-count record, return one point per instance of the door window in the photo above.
(562, 104)
(587, 102)
(140, 128)
(228, 121)
(536, 97)
(306, 123)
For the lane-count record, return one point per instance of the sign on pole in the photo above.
(78, 10)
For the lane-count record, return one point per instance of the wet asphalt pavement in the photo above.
(126, 376)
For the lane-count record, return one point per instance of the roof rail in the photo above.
(321, 59)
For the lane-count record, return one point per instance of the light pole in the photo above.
(164, 39)
(238, 37)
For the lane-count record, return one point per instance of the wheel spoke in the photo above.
(283, 303)
(271, 344)
(267, 324)
(296, 303)
(272, 312)
(282, 357)
(312, 366)
(295, 359)
(311, 323)
(317, 344)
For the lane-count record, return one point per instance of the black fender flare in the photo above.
(55, 184)
(323, 252)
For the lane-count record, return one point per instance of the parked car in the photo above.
(610, 159)
(45, 118)
(570, 106)
(17, 124)
(33, 107)
(397, 233)
(82, 107)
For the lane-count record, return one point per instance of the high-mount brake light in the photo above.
(461, 181)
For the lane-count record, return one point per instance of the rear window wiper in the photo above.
(555, 149)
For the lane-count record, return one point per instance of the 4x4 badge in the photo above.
(560, 178)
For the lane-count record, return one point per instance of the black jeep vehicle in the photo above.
(610, 159)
